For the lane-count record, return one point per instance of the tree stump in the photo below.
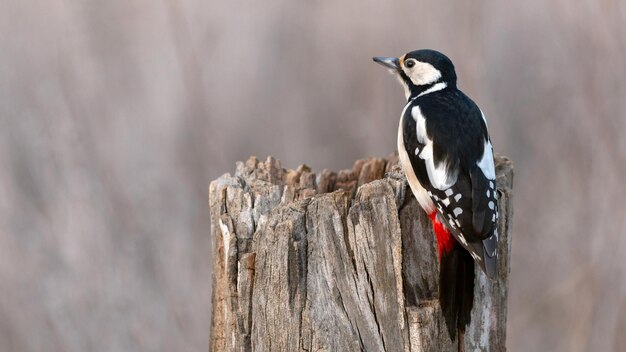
(341, 261)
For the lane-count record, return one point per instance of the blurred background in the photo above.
(116, 115)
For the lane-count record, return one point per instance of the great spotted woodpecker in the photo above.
(446, 154)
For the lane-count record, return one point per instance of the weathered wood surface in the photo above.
(338, 262)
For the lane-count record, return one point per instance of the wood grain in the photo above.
(339, 261)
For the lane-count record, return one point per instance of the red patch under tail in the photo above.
(445, 241)
(456, 281)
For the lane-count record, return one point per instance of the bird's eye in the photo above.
(410, 63)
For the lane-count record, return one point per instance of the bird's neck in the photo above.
(418, 91)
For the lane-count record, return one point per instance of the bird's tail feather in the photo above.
(456, 288)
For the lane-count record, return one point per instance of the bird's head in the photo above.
(421, 70)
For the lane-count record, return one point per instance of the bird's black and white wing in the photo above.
(446, 139)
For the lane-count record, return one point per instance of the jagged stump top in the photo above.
(337, 262)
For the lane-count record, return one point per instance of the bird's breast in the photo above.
(418, 190)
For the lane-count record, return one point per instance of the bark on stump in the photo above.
(341, 261)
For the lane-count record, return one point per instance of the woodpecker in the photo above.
(447, 156)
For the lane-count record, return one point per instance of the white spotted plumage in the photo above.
(446, 153)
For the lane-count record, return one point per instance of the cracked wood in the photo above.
(340, 261)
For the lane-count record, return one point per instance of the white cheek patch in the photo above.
(440, 176)
(423, 73)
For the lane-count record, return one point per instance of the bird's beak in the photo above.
(389, 62)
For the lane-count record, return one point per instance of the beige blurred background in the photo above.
(115, 115)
